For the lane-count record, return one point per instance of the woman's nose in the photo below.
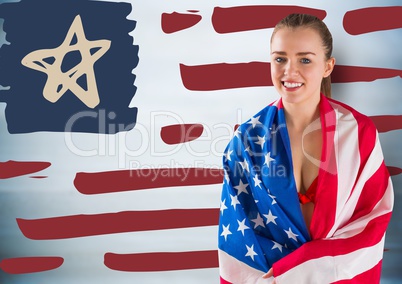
(291, 69)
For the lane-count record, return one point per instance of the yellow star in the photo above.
(49, 61)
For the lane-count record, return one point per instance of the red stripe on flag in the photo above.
(375, 228)
(221, 76)
(372, 19)
(110, 223)
(385, 123)
(223, 281)
(12, 169)
(125, 180)
(245, 18)
(180, 133)
(23, 265)
(370, 276)
(175, 22)
(161, 261)
(368, 198)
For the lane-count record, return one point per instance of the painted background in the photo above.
(129, 191)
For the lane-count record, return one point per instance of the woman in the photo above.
(306, 197)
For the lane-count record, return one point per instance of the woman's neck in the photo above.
(299, 116)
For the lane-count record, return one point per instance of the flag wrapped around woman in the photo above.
(261, 224)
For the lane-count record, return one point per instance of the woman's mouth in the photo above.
(292, 85)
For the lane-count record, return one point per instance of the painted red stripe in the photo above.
(221, 76)
(181, 133)
(12, 169)
(245, 18)
(161, 261)
(393, 171)
(38, 177)
(175, 22)
(225, 76)
(372, 19)
(23, 265)
(125, 180)
(385, 123)
(350, 74)
(75, 226)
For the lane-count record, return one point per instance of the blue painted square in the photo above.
(68, 66)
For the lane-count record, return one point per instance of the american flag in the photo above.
(261, 224)
(128, 190)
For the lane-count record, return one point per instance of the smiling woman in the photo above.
(325, 220)
(320, 48)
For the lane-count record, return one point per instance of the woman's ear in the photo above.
(329, 66)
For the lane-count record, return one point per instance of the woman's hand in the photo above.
(269, 274)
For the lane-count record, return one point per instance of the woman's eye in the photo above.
(305, 61)
(279, 59)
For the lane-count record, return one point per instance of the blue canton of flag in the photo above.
(68, 66)
(260, 217)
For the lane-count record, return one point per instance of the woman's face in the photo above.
(298, 64)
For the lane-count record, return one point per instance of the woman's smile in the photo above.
(291, 86)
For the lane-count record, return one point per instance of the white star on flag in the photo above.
(242, 226)
(273, 198)
(226, 231)
(227, 155)
(270, 218)
(291, 235)
(223, 206)
(234, 201)
(248, 151)
(268, 159)
(242, 187)
(250, 252)
(257, 181)
(244, 165)
(261, 141)
(276, 245)
(258, 221)
(237, 132)
(254, 121)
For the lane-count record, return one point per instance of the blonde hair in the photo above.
(293, 21)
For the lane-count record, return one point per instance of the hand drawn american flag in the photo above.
(134, 196)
